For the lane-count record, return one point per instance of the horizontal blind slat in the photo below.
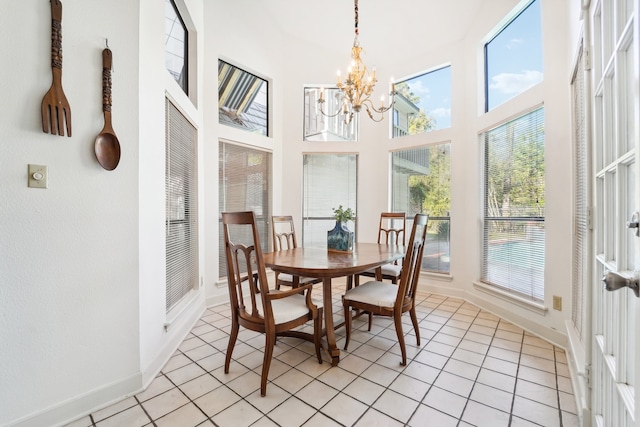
(181, 190)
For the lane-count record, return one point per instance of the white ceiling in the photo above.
(393, 27)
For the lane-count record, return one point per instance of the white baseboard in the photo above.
(80, 406)
(94, 400)
(530, 325)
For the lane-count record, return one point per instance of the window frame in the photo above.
(511, 288)
(230, 79)
(181, 256)
(332, 118)
(509, 20)
(185, 58)
(262, 219)
(433, 219)
(336, 200)
(396, 131)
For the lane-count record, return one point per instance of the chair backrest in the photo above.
(245, 264)
(392, 228)
(413, 260)
(284, 235)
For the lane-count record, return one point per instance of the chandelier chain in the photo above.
(356, 19)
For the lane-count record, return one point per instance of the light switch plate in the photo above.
(38, 176)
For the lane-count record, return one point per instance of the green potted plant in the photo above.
(340, 239)
(343, 215)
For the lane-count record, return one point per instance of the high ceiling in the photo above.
(393, 27)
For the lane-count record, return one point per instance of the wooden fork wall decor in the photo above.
(56, 112)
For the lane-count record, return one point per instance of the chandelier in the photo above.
(358, 87)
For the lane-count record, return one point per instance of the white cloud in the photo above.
(418, 89)
(513, 43)
(510, 83)
(441, 112)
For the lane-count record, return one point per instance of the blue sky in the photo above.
(515, 57)
(434, 90)
(515, 64)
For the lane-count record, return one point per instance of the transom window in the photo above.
(513, 57)
(242, 99)
(176, 45)
(423, 103)
(329, 126)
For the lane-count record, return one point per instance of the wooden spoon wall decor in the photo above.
(107, 146)
(55, 108)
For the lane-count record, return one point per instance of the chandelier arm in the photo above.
(366, 107)
(368, 104)
(328, 115)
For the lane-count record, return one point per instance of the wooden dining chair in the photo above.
(388, 299)
(284, 237)
(392, 231)
(254, 305)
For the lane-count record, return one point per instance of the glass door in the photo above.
(614, 106)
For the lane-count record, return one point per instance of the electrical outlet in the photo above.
(557, 303)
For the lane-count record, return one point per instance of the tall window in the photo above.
(242, 99)
(176, 45)
(514, 236)
(329, 126)
(244, 184)
(329, 180)
(423, 103)
(181, 190)
(513, 57)
(421, 183)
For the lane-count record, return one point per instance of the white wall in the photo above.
(238, 34)
(82, 287)
(69, 253)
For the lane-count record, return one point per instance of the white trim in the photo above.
(577, 363)
(509, 297)
(77, 407)
(176, 311)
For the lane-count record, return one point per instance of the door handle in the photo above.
(614, 281)
(634, 223)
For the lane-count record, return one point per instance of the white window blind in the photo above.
(513, 233)
(181, 188)
(244, 184)
(580, 200)
(329, 180)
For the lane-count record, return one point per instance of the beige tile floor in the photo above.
(471, 369)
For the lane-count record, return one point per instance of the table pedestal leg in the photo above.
(334, 351)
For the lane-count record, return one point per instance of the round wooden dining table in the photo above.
(325, 264)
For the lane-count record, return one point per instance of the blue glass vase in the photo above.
(340, 239)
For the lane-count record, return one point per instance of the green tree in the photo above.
(432, 192)
(420, 122)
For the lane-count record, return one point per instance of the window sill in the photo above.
(441, 277)
(180, 308)
(532, 306)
